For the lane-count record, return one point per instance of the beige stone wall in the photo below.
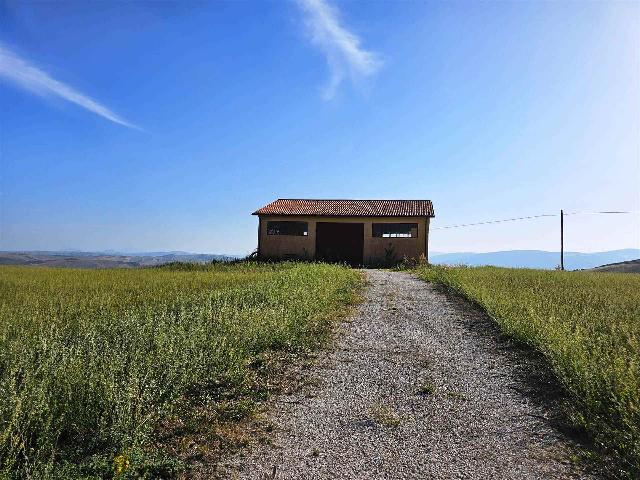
(283, 246)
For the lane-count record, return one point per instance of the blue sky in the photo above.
(162, 126)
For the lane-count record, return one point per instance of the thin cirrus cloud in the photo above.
(29, 77)
(341, 48)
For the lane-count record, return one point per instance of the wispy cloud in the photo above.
(342, 48)
(27, 76)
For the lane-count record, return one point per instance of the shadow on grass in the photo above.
(535, 380)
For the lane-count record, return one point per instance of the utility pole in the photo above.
(561, 239)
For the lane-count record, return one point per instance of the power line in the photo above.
(532, 217)
(496, 221)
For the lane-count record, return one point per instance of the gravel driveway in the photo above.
(418, 385)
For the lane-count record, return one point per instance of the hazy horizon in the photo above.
(116, 251)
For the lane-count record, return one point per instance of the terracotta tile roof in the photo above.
(349, 208)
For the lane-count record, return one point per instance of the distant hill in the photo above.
(632, 266)
(536, 258)
(109, 259)
(511, 258)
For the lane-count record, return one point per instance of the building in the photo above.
(359, 232)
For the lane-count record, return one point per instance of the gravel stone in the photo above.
(419, 384)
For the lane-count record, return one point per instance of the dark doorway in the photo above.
(340, 242)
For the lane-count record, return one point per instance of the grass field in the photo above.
(587, 325)
(94, 362)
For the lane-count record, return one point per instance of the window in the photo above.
(288, 228)
(395, 230)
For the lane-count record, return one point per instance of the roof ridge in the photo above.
(357, 199)
(348, 207)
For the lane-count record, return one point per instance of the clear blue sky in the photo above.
(157, 126)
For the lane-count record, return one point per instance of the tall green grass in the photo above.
(92, 361)
(587, 325)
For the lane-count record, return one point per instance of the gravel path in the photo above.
(419, 385)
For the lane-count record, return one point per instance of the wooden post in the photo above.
(561, 239)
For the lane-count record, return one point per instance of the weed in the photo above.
(385, 415)
(427, 387)
(456, 395)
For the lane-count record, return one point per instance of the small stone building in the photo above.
(358, 232)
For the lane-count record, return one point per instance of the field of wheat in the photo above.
(93, 361)
(587, 325)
